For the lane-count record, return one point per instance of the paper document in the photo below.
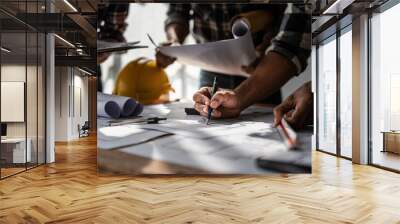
(107, 47)
(198, 129)
(126, 135)
(225, 56)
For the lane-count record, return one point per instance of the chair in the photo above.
(84, 129)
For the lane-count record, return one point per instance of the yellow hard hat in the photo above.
(143, 81)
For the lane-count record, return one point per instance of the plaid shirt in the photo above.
(212, 22)
(111, 22)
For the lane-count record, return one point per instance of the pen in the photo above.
(213, 90)
(152, 41)
(287, 133)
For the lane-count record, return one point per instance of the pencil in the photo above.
(213, 90)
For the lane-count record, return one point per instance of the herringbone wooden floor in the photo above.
(70, 191)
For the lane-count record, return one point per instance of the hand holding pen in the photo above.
(224, 103)
(213, 90)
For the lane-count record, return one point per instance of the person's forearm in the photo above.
(270, 75)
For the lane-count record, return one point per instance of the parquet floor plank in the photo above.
(71, 191)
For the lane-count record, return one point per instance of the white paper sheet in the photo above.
(123, 136)
(198, 128)
(225, 56)
(127, 105)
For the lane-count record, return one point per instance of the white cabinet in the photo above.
(15, 148)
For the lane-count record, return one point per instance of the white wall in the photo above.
(61, 103)
(12, 73)
(79, 117)
(70, 83)
(33, 126)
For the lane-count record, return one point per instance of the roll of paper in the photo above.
(108, 109)
(138, 110)
(127, 105)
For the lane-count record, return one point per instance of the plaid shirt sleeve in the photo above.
(178, 13)
(293, 40)
(112, 21)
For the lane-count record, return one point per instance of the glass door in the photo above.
(22, 77)
(326, 97)
(385, 89)
(14, 144)
(35, 87)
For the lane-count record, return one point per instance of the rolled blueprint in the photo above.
(127, 105)
(241, 31)
(108, 109)
(138, 110)
(225, 56)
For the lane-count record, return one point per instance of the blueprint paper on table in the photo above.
(225, 146)
(225, 56)
(125, 135)
(197, 128)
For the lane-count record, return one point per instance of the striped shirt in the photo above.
(111, 22)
